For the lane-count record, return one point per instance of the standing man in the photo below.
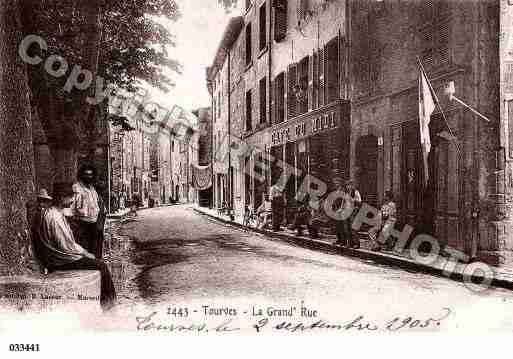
(88, 211)
(351, 202)
(276, 194)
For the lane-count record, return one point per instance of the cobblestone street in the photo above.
(174, 256)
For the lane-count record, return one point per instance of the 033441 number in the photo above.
(23, 347)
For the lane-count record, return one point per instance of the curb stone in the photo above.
(366, 255)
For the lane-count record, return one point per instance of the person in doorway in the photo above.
(351, 201)
(88, 211)
(56, 248)
(385, 222)
(276, 194)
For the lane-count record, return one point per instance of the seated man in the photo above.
(56, 249)
(264, 213)
(316, 218)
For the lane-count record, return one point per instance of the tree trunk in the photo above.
(16, 151)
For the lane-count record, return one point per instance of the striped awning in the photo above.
(201, 177)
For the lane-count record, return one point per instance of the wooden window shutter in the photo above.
(310, 83)
(263, 100)
(279, 84)
(442, 45)
(303, 77)
(262, 18)
(321, 77)
(280, 19)
(331, 71)
(272, 103)
(249, 49)
(249, 106)
(342, 66)
(291, 97)
(315, 80)
(427, 48)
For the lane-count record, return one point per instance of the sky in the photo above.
(198, 33)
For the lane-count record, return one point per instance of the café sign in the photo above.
(303, 127)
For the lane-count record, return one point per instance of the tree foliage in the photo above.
(133, 45)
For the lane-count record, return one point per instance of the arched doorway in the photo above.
(367, 163)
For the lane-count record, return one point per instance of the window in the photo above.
(219, 106)
(263, 28)
(304, 66)
(321, 92)
(315, 84)
(280, 20)
(291, 96)
(332, 71)
(248, 45)
(435, 34)
(279, 90)
(263, 99)
(249, 120)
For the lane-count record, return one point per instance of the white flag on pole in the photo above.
(426, 108)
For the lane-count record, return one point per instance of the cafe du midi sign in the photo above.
(290, 132)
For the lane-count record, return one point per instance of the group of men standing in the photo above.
(68, 230)
(309, 213)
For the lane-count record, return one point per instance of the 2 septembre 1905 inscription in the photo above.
(301, 318)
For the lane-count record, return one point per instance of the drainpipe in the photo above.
(269, 61)
(230, 175)
(212, 146)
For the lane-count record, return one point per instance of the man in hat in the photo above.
(44, 200)
(351, 201)
(55, 245)
(88, 211)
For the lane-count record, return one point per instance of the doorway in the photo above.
(367, 162)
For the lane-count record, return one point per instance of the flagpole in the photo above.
(439, 106)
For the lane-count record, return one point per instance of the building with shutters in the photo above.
(330, 87)
(130, 151)
(261, 85)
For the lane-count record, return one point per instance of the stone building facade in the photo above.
(455, 41)
(331, 89)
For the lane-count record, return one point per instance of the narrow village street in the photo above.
(172, 256)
